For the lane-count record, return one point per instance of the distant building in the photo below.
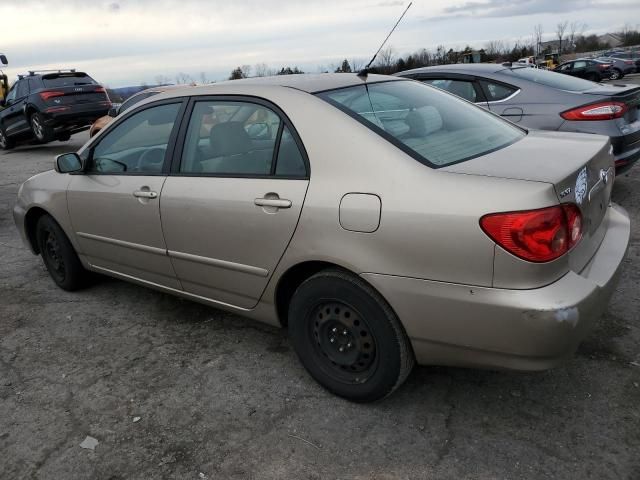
(611, 39)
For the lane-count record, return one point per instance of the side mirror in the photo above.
(68, 163)
(3, 59)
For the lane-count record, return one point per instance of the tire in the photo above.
(42, 132)
(348, 338)
(58, 255)
(616, 74)
(6, 143)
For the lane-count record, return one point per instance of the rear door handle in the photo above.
(145, 194)
(273, 202)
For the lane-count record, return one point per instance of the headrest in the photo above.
(229, 138)
(423, 121)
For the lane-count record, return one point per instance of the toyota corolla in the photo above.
(383, 221)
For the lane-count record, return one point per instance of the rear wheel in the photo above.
(58, 255)
(348, 338)
(6, 143)
(616, 74)
(42, 132)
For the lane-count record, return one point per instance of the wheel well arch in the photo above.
(292, 279)
(30, 224)
(30, 110)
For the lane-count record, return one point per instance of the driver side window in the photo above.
(11, 96)
(136, 145)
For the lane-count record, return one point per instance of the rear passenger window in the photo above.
(230, 138)
(461, 88)
(239, 139)
(290, 162)
(497, 91)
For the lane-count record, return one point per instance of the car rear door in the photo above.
(114, 203)
(580, 68)
(461, 85)
(500, 99)
(233, 199)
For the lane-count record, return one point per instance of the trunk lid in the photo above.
(71, 88)
(579, 166)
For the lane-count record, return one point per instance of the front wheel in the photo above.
(58, 255)
(6, 143)
(348, 338)
(42, 132)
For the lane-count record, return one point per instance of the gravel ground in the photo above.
(173, 389)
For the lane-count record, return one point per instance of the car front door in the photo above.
(114, 203)
(14, 118)
(232, 201)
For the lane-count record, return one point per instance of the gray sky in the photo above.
(125, 42)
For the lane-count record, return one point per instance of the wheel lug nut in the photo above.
(344, 332)
(334, 329)
(332, 340)
(341, 349)
(349, 345)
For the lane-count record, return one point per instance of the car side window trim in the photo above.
(174, 169)
(517, 90)
(170, 146)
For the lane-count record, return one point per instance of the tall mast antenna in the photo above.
(365, 71)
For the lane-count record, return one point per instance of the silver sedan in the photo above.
(382, 220)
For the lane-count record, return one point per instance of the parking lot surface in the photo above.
(173, 389)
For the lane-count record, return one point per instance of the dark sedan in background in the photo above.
(545, 100)
(587, 68)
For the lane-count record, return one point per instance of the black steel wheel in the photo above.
(342, 335)
(58, 255)
(347, 336)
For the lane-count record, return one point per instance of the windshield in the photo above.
(434, 127)
(67, 80)
(552, 79)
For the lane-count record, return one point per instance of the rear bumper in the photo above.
(461, 325)
(75, 115)
(625, 159)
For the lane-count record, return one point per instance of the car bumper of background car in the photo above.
(625, 159)
(62, 116)
(462, 325)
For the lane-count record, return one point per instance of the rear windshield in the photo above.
(551, 79)
(434, 127)
(67, 80)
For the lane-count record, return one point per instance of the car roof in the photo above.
(310, 83)
(469, 68)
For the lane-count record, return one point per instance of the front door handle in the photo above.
(145, 194)
(273, 202)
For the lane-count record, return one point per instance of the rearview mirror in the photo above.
(68, 163)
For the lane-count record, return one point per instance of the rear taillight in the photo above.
(100, 90)
(47, 94)
(629, 62)
(604, 66)
(596, 111)
(536, 235)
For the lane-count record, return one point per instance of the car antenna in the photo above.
(365, 71)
